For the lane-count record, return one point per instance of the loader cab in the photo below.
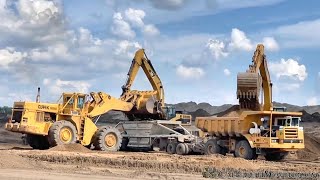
(169, 111)
(287, 121)
(73, 103)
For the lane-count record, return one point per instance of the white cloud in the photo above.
(59, 86)
(150, 30)
(217, 49)
(135, 17)
(189, 72)
(226, 72)
(127, 48)
(289, 68)
(9, 56)
(313, 101)
(301, 34)
(240, 41)
(270, 44)
(121, 28)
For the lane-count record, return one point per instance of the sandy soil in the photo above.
(18, 161)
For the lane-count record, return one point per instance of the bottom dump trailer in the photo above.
(159, 135)
(272, 134)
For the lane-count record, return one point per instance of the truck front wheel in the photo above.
(243, 150)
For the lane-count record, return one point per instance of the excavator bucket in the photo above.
(248, 90)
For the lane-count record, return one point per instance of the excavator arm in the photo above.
(249, 84)
(145, 102)
(141, 60)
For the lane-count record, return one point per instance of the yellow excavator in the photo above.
(260, 128)
(149, 104)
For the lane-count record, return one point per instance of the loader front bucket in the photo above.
(248, 90)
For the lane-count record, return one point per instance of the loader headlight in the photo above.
(274, 140)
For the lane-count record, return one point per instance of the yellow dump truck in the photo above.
(269, 133)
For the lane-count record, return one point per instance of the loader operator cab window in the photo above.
(80, 102)
(170, 112)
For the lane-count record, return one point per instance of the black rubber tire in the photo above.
(212, 147)
(99, 140)
(243, 150)
(187, 148)
(181, 149)
(54, 133)
(171, 148)
(124, 144)
(277, 156)
(38, 141)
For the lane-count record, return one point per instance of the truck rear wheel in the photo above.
(62, 132)
(244, 150)
(181, 149)
(212, 147)
(277, 156)
(171, 148)
(108, 139)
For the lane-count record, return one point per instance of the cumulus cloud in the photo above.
(9, 56)
(240, 41)
(289, 68)
(123, 24)
(226, 72)
(270, 43)
(58, 86)
(217, 49)
(121, 28)
(190, 72)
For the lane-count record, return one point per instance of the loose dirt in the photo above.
(71, 148)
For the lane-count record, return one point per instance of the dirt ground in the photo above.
(18, 161)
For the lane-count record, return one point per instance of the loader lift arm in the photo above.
(249, 83)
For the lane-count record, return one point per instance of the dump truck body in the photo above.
(265, 131)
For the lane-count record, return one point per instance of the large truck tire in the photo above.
(37, 141)
(243, 150)
(277, 156)
(171, 148)
(62, 132)
(181, 149)
(108, 139)
(212, 147)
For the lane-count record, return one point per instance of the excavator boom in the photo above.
(253, 81)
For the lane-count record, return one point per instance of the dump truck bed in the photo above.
(220, 126)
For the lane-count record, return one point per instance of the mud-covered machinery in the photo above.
(260, 129)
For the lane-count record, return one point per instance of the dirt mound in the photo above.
(71, 148)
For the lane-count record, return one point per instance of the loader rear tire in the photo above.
(62, 132)
(212, 147)
(108, 139)
(38, 142)
(171, 148)
(181, 149)
(244, 150)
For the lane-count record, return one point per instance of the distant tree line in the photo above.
(5, 110)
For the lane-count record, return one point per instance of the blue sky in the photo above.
(197, 47)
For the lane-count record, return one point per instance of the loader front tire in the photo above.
(62, 132)
(108, 139)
